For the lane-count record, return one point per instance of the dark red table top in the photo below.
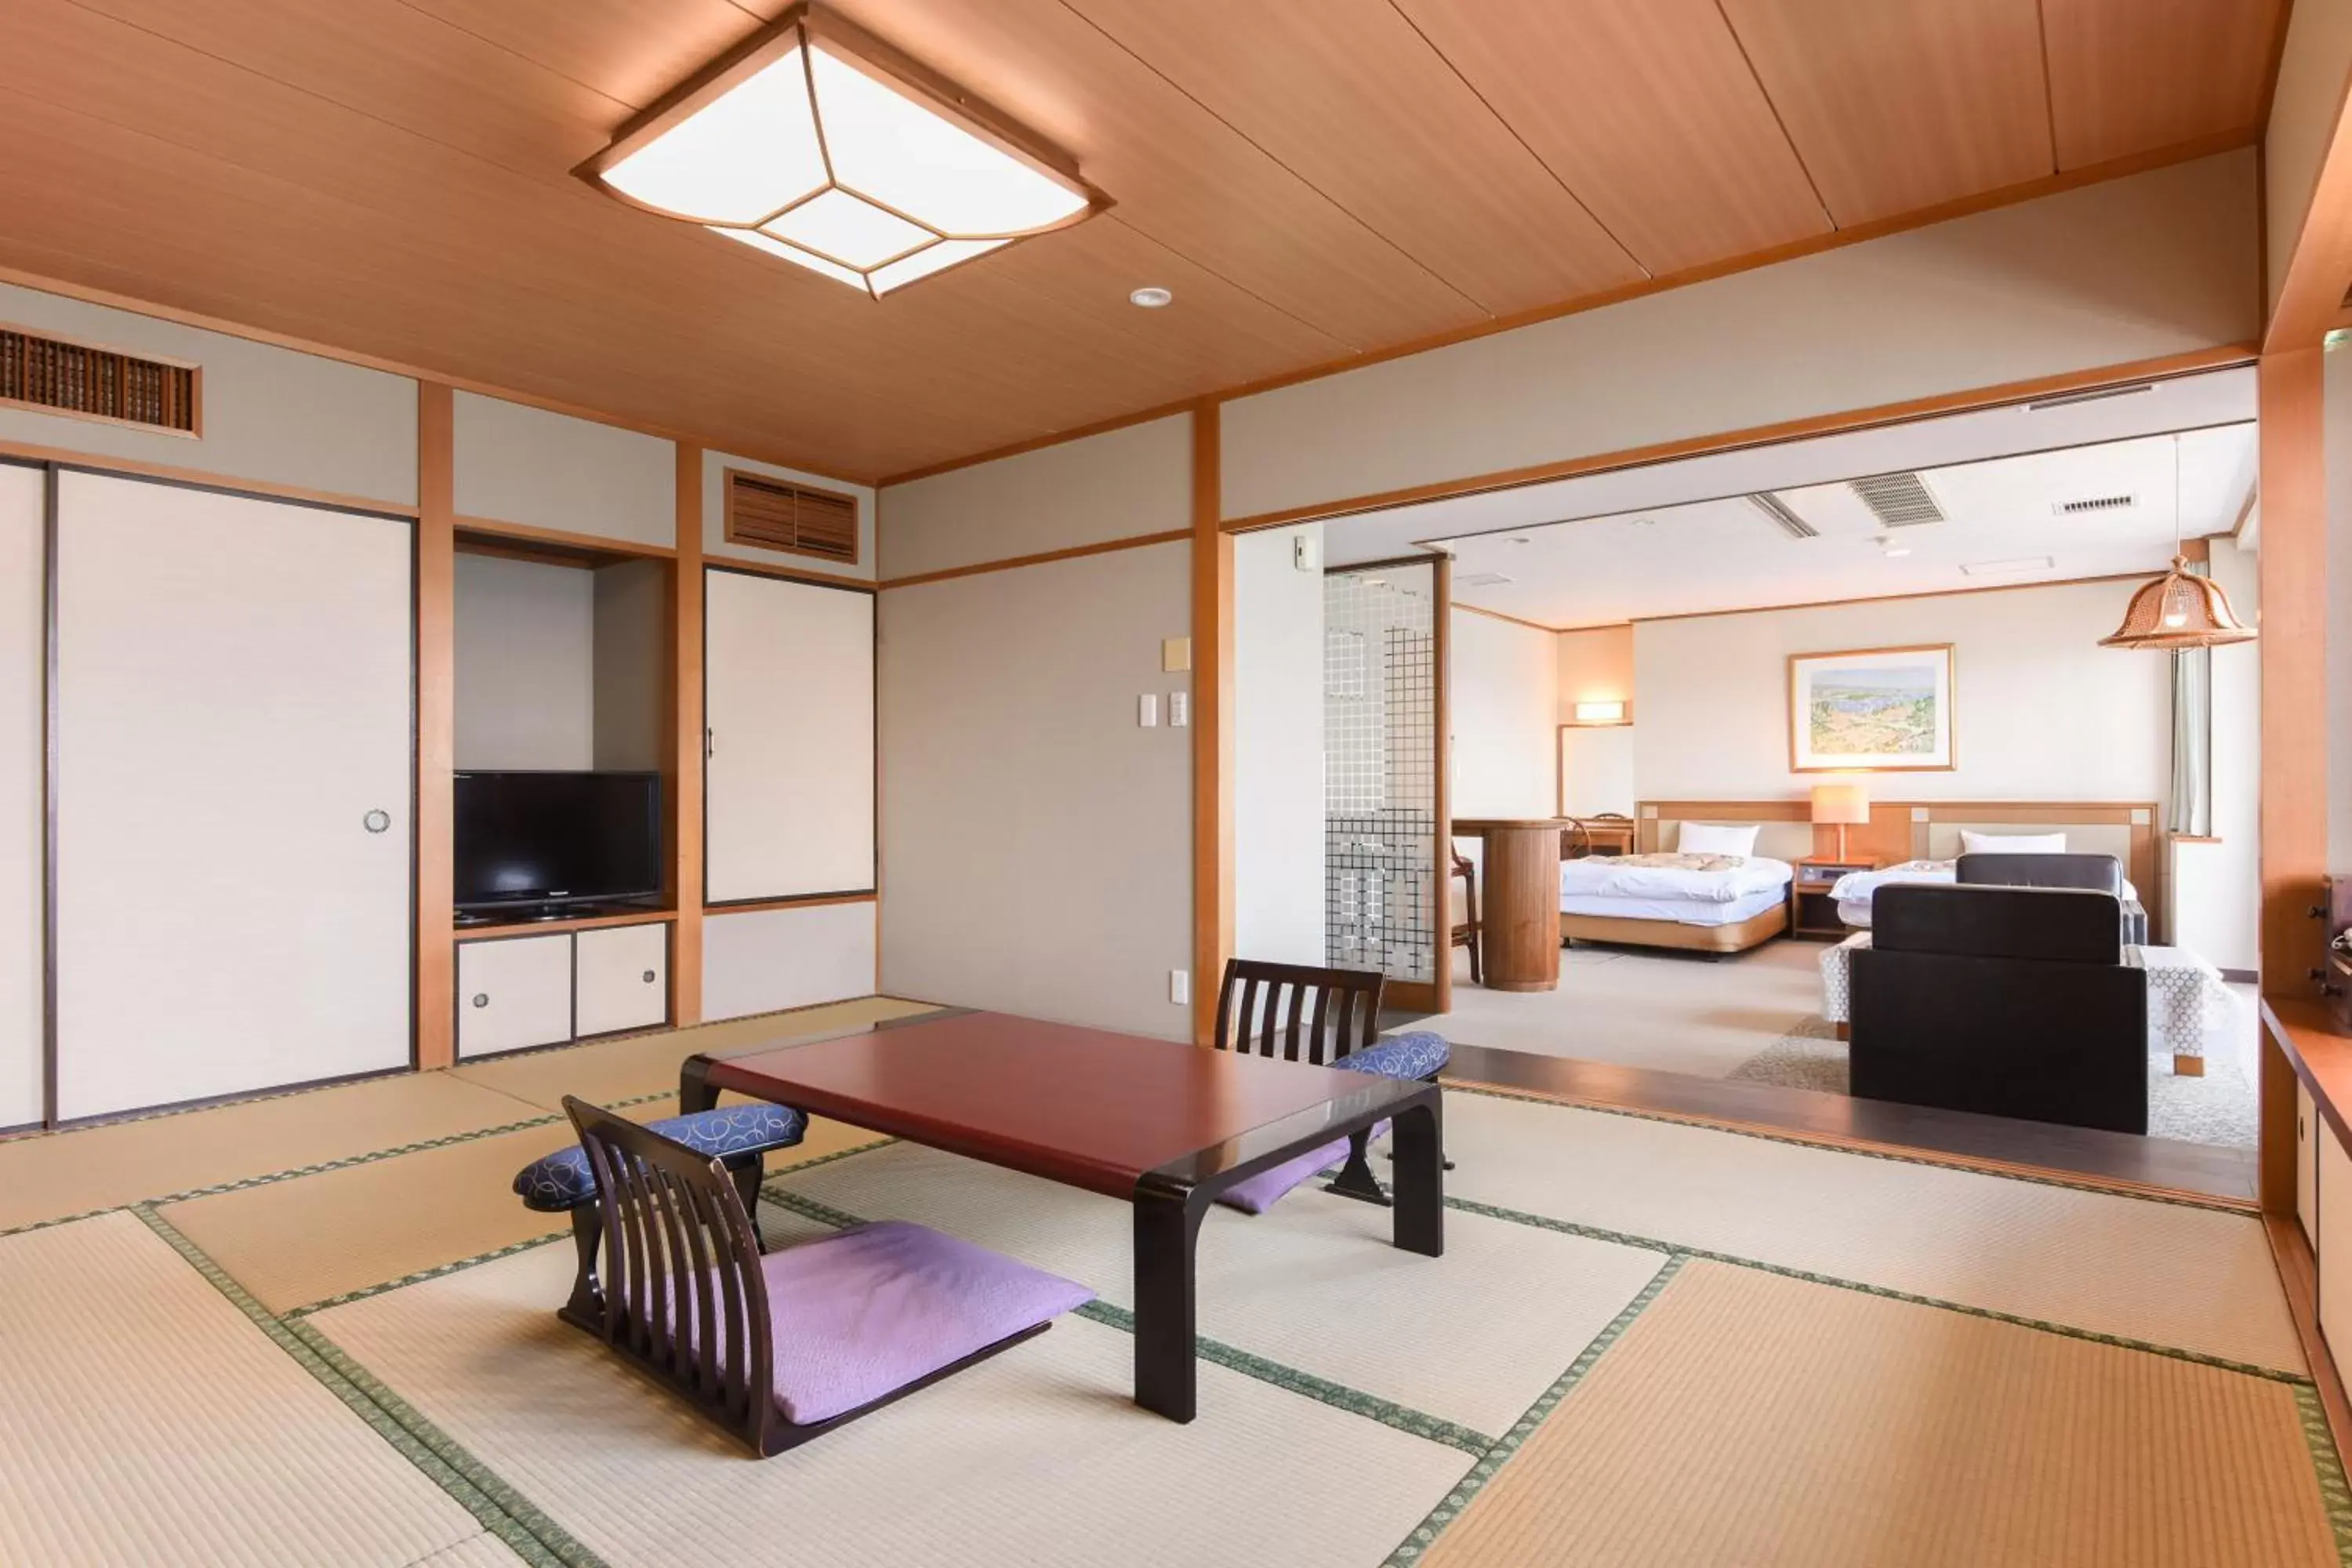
(1091, 1108)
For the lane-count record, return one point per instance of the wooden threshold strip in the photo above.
(1997, 1145)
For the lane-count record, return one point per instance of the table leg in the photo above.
(1417, 1178)
(694, 1090)
(1167, 1224)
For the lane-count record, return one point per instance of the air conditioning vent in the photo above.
(60, 376)
(2095, 504)
(776, 514)
(1481, 580)
(1776, 508)
(1898, 500)
(2068, 400)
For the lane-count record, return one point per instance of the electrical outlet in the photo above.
(1146, 710)
(1180, 708)
(1180, 986)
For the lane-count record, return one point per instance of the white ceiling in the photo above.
(1677, 538)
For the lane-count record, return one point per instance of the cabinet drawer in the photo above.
(623, 979)
(513, 993)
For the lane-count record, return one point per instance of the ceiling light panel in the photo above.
(819, 145)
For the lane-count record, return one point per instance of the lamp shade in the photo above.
(1842, 805)
(2178, 610)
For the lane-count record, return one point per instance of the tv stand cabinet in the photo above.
(523, 986)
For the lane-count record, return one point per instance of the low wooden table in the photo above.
(1165, 1127)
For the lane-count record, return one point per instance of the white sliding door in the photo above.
(789, 691)
(233, 794)
(22, 671)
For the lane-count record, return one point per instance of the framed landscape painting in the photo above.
(1886, 709)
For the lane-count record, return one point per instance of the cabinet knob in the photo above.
(481, 998)
(648, 977)
(377, 820)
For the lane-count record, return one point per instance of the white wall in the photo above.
(525, 664)
(1278, 809)
(715, 544)
(763, 960)
(1503, 691)
(270, 414)
(2217, 888)
(2156, 264)
(1122, 484)
(1037, 845)
(2041, 712)
(519, 464)
(631, 683)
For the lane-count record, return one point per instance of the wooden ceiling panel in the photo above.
(632, 51)
(1348, 96)
(1179, 174)
(1650, 114)
(1895, 107)
(2127, 75)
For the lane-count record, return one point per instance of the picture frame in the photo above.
(1874, 710)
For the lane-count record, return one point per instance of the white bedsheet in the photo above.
(1853, 890)
(1681, 911)
(1609, 877)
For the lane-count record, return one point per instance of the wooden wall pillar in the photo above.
(436, 729)
(682, 755)
(1213, 731)
(2295, 721)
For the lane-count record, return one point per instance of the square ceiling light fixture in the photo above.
(819, 143)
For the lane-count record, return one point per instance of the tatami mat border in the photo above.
(1449, 1508)
(1866, 1150)
(2334, 1494)
(535, 1537)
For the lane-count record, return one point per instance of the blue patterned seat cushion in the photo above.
(1414, 1055)
(564, 1180)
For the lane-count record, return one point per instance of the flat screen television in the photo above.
(557, 839)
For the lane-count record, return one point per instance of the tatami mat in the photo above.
(1472, 1338)
(1037, 1457)
(606, 1070)
(484, 1551)
(297, 1242)
(2170, 1274)
(147, 1420)
(51, 1175)
(1747, 1417)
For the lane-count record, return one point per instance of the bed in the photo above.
(1938, 836)
(1662, 898)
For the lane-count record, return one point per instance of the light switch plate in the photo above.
(1180, 986)
(1146, 710)
(1175, 654)
(1180, 708)
(1307, 552)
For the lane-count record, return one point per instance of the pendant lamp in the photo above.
(2179, 609)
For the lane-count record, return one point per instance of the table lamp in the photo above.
(1842, 804)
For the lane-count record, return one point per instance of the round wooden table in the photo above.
(1519, 899)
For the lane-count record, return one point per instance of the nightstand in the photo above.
(1811, 911)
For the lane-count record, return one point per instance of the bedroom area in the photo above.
(1838, 780)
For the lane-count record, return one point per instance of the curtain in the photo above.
(2192, 741)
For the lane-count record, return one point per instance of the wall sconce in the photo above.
(1614, 712)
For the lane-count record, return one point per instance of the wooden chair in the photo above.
(1329, 1017)
(689, 1297)
(1467, 927)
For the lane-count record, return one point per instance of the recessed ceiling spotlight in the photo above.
(1149, 298)
(1890, 549)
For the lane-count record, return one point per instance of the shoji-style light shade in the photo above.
(2178, 610)
(1613, 711)
(819, 144)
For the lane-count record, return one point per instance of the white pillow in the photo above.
(2012, 844)
(1708, 839)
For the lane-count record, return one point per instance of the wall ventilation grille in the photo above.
(66, 377)
(1899, 501)
(1776, 508)
(776, 514)
(2095, 504)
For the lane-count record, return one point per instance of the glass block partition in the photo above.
(1380, 748)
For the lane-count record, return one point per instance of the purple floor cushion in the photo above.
(1268, 1187)
(872, 1310)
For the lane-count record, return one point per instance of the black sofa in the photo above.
(2098, 873)
(2005, 1000)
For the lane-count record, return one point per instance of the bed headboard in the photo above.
(1786, 829)
(1930, 830)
